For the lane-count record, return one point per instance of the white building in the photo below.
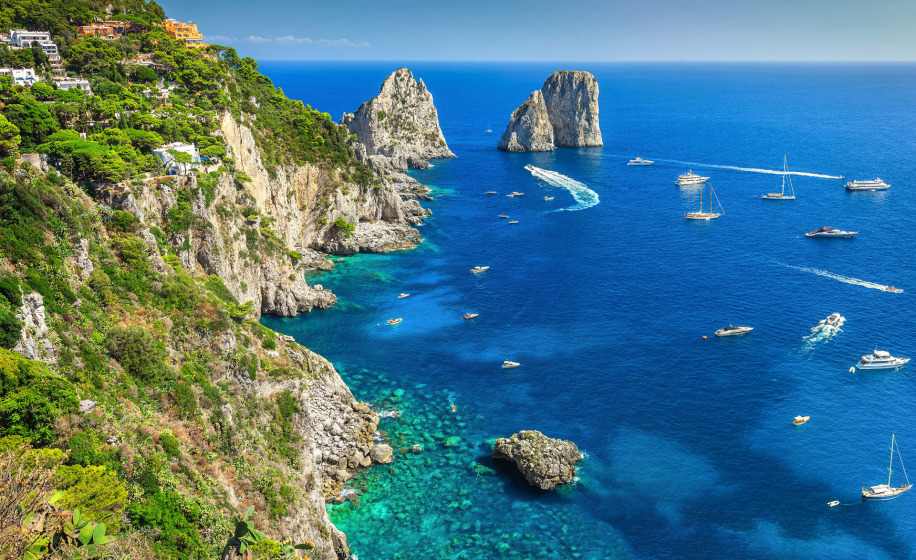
(65, 83)
(168, 160)
(20, 76)
(22, 39)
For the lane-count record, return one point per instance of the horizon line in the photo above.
(659, 61)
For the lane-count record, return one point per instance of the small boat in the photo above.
(490, 192)
(893, 289)
(402, 296)
(548, 198)
(469, 316)
(881, 359)
(834, 503)
(700, 214)
(830, 232)
(876, 185)
(509, 364)
(782, 194)
(341, 260)
(886, 491)
(395, 321)
(479, 269)
(513, 222)
(488, 128)
(639, 161)
(732, 330)
(513, 193)
(833, 320)
(799, 420)
(503, 216)
(690, 178)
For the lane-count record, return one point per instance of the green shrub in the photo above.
(186, 401)
(344, 227)
(269, 343)
(95, 491)
(124, 221)
(31, 399)
(169, 443)
(141, 355)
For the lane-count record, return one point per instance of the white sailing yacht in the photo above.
(885, 491)
(488, 128)
(701, 215)
(782, 194)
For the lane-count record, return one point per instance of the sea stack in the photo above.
(399, 127)
(545, 462)
(570, 101)
(529, 127)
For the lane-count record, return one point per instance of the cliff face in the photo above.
(563, 113)
(572, 103)
(529, 128)
(400, 124)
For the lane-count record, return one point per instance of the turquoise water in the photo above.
(689, 443)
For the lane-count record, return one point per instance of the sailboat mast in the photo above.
(785, 168)
(891, 464)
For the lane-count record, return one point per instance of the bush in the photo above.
(169, 443)
(124, 221)
(10, 328)
(95, 491)
(141, 355)
(344, 227)
(31, 399)
(269, 343)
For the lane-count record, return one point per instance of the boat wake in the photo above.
(845, 279)
(752, 169)
(823, 332)
(585, 197)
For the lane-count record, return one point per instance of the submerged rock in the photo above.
(381, 453)
(545, 462)
(564, 112)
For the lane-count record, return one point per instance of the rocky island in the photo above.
(544, 462)
(564, 112)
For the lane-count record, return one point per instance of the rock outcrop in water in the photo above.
(545, 462)
(529, 127)
(400, 126)
(570, 104)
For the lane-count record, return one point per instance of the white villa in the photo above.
(65, 82)
(22, 39)
(168, 160)
(20, 76)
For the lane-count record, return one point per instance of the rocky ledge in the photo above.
(567, 105)
(400, 126)
(545, 462)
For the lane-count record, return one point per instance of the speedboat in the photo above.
(893, 289)
(513, 221)
(830, 232)
(690, 179)
(395, 321)
(548, 198)
(881, 359)
(732, 330)
(490, 192)
(833, 320)
(513, 193)
(509, 364)
(503, 215)
(640, 161)
(876, 185)
(402, 296)
(479, 269)
(469, 316)
(799, 420)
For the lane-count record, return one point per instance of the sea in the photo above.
(609, 299)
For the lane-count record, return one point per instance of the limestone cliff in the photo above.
(529, 128)
(567, 104)
(400, 126)
(572, 103)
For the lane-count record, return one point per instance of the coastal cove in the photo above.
(689, 443)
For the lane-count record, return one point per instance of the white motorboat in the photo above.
(830, 232)
(700, 214)
(886, 491)
(639, 161)
(479, 269)
(395, 321)
(514, 194)
(876, 185)
(782, 194)
(490, 192)
(732, 330)
(690, 179)
(834, 320)
(881, 359)
(510, 364)
(402, 296)
(799, 420)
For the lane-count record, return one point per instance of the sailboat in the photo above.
(782, 195)
(488, 128)
(701, 215)
(885, 491)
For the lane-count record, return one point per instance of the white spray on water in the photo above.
(585, 197)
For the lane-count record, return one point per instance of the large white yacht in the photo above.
(690, 178)
(881, 359)
(830, 232)
(876, 185)
(639, 161)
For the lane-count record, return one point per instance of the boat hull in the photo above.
(845, 235)
(884, 493)
(776, 197)
(896, 364)
(734, 332)
(695, 216)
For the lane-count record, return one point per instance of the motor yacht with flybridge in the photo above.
(639, 161)
(830, 232)
(881, 359)
(690, 178)
(876, 185)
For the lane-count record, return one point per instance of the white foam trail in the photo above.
(823, 332)
(752, 169)
(841, 278)
(585, 197)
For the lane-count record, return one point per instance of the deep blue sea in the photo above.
(689, 443)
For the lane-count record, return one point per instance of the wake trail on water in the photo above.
(840, 277)
(822, 332)
(585, 197)
(752, 169)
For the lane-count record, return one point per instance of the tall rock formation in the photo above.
(399, 127)
(570, 100)
(529, 128)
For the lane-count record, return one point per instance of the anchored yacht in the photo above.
(881, 359)
(690, 179)
(732, 330)
(876, 185)
(830, 232)
(640, 161)
(886, 491)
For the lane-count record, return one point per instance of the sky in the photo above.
(558, 30)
